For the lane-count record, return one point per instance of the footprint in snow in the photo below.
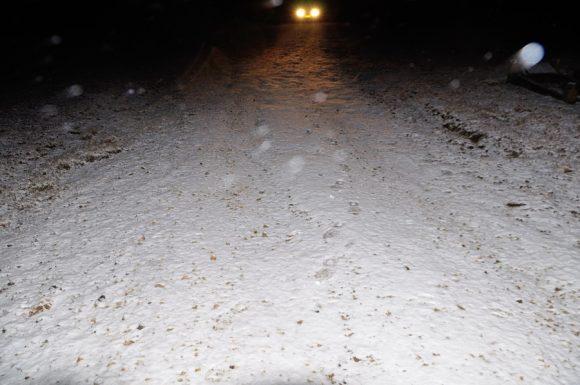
(328, 270)
(354, 208)
(338, 185)
(332, 231)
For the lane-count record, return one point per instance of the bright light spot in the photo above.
(455, 84)
(315, 12)
(300, 12)
(531, 55)
(488, 56)
(131, 91)
(74, 91)
(320, 97)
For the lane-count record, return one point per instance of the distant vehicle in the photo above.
(307, 11)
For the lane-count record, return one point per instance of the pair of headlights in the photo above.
(303, 13)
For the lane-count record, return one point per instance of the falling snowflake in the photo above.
(531, 54)
(527, 57)
(275, 3)
(74, 91)
(296, 164)
(265, 146)
(55, 40)
(49, 110)
(262, 130)
(320, 97)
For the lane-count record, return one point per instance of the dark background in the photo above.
(52, 37)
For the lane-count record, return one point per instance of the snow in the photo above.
(244, 233)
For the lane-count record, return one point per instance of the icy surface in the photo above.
(242, 231)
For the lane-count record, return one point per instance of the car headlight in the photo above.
(300, 13)
(315, 12)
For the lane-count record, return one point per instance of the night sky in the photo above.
(53, 35)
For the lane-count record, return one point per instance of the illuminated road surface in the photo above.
(293, 216)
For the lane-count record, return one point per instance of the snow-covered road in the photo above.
(297, 218)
